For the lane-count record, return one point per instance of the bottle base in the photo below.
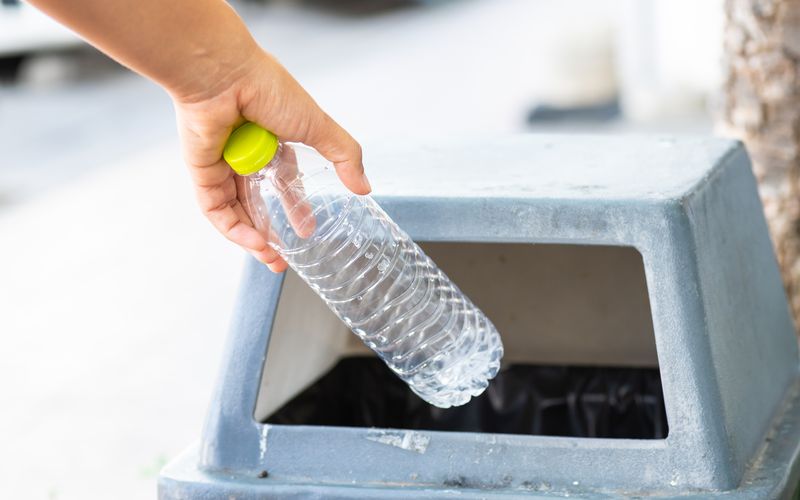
(465, 379)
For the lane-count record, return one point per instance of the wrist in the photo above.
(214, 65)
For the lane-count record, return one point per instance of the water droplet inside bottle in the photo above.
(383, 265)
(358, 239)
(369, 255)
(359, 298)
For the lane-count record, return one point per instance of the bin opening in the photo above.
(578, 401)
(580, 355)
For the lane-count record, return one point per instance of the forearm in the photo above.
(193, 48)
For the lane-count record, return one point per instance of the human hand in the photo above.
(260, 90)
(201, 52)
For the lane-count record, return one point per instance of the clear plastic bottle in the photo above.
(368, 271)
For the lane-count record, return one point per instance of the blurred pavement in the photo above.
(114, 303)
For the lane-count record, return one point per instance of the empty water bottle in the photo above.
(368, 271)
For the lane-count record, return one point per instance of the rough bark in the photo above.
(761, 105)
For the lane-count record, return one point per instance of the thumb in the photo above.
(337, 146)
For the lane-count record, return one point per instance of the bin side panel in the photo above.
(753, 345)
(231, 437)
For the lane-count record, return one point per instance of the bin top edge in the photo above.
(545, 166)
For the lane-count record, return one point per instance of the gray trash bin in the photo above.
(637, 253)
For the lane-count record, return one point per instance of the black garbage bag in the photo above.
(522, 399)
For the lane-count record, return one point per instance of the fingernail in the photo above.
(366, 181)
(275, 268)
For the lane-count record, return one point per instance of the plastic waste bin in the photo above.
(649, 347)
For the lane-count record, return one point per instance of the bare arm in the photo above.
(203, 55)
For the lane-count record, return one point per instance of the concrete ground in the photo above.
(115, 293)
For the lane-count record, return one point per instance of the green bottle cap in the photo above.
(250, 148)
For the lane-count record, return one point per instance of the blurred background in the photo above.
(115, 293)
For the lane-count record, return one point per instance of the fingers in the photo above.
(228, 222)
(202, 139)
(279, 103)
(276, 266)
(339, 147)
(225, 219)
(293, 196)
(220, 205)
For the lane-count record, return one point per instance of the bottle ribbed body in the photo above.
(374, 277)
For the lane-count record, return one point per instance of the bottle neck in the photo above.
(272, 166)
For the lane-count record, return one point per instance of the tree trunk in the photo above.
(761, 105)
